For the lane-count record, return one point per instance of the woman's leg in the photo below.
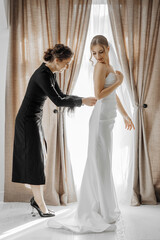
(38, 196)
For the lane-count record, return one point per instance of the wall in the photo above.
(4, 36)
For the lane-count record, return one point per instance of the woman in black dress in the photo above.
(28, 153)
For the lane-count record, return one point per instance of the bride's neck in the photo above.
(107, 63)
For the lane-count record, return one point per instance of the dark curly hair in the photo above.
(59, 51)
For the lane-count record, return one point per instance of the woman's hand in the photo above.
(90, 101)
(128, 123)
(119, 76)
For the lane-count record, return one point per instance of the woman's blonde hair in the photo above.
(98, 40)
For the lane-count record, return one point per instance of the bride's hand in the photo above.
(128, 123)
(119, 76)
(90, 101)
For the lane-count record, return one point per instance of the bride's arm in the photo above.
(99, 81)
(121, 108)
(127, 120)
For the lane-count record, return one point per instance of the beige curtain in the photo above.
(34, 27)
(72, 26)
(135, 26)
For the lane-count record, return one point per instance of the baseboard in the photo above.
(1, 196)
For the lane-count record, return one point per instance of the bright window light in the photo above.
(78, 123)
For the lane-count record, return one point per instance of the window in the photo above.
(77, 124)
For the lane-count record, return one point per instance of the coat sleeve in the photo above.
(53, 91)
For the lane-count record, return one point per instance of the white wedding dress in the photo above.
(97, 209)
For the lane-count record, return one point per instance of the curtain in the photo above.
(34, 27)
(135, 26)
(72, 31)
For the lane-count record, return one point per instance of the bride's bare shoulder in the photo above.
(100, 67)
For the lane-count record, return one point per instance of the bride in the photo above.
(97, 209)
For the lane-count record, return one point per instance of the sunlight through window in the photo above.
(77, 124)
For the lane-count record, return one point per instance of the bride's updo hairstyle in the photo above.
(98, 40)
(59, 51)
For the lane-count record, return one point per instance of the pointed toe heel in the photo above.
(34, 205)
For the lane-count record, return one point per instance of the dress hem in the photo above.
(29, 182)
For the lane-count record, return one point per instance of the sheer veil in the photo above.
(122, 164)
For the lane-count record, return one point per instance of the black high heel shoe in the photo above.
(35, 206)
(34, 203)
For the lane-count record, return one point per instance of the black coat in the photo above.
(28, 153)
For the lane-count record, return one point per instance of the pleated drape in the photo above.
(135, 27)
(72, 26)
(34, 27)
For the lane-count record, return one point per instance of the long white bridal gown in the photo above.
(97, 209)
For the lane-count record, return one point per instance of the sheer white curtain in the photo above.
(77, 124)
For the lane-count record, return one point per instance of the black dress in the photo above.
(28, 154)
